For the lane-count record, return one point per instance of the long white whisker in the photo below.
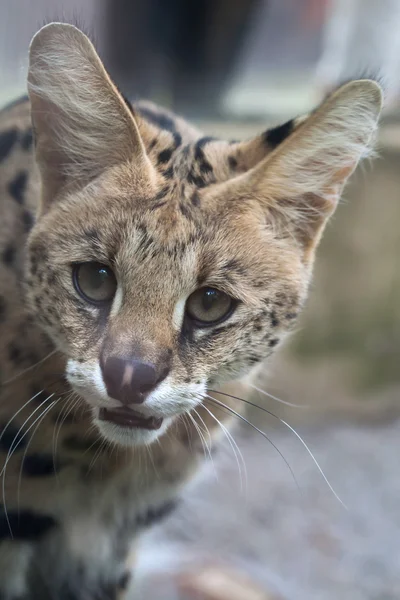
(10, 453)
(235, 449)
(210, 442)
(42, 416)
(295, 433)
(17, 441)
(19, 410)
(71, 404)
(262, 433)
(199, 433)
(285, 402)
(208, 445)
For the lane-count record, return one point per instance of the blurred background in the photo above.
(237, 67)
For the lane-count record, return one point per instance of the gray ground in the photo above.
(300, 546)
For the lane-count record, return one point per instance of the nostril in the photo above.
(144, 376)
(163, 375)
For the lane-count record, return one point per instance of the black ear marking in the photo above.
(275, 136)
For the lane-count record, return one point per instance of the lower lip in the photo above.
(124, 417)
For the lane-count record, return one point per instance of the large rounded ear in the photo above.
(81, 123)
(301, 181)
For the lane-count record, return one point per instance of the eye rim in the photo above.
(208, 324)
(75, 274)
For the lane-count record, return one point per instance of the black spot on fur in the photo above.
(169, 173)
(27, 140)
(152, 144)
(185, 210)
(274, 137)
(8, 438)
(27, 220)
(38, 465)
(17, 186)
(158, 205)
(177, 139)
(196, 180)
(162, 193)
(25, 525)
(233, 163)
(7, 141)
(8, 255)
(273, 342)
(164, 156)
(202, 142)
(155, 515)
(195, 199)
(160, 120)
(274, 319)
(38, 256)
(204, 165)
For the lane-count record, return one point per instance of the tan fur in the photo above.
(169, 211)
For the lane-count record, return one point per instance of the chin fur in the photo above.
(130, 436)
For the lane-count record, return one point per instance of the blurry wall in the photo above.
(20, 19)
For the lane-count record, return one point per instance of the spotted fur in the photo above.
(85, 176)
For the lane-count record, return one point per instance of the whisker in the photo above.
(19, 410)
(14, 443)
(264, 435)
(42, 360)
(9, 455)
(285, 402)
(97, 454)
(208, 445)
(70, 405)
(295, 433)
(235, 449)
(199, 433)
(42, 416)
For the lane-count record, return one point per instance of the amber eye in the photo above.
(208, 306)
(95, 282)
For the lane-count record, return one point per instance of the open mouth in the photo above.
(126, 417)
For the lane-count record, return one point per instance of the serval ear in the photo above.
(82, 124)
(301, 181)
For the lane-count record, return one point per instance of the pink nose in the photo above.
(130, 381)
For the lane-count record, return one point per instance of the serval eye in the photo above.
(208, 306)
(95, 282)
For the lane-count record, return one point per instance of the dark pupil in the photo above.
(210, 297)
